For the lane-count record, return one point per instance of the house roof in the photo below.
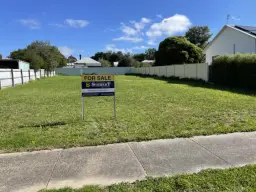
(148, 61)
(88, 61)
(242, 29)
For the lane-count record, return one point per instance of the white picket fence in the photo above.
(193, 71)
(12, 77)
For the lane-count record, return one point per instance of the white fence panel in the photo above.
(170, 70)
(38, 74)
(5, 74)
(32, 74)
(162, 71)
(25, 79)
(191, 71)
(151, 71)
(157, 71)
(179, 71)
(12, 77)
(202, 71)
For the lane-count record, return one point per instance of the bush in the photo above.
(237, 70)
(178, 50)
(127, 62)
(105, 63)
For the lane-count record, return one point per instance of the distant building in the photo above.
(116, 64)
(149, 61)
(14, 64)
(86, 62)
(231, 40)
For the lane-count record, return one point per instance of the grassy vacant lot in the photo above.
(47, 113)
(229, 180)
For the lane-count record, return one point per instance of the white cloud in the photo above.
(169, 26)
(66, 51)
(112, 47)
(159, 16)
(151, 41)
(140, 47)
(128, 30)
(31, 23)
(235, 18)
(76, 23)
(127, 38)
(57, 25)
(141, 25)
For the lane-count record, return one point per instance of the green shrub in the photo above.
(237, 70)
(178, 50)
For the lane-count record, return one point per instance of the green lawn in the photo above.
(229, 180)
(47, 113)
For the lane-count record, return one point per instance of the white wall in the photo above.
(97, 70)
(224, 44)
(10, 77)
(193, 71)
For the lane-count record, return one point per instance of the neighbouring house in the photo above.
(86, 62)
(149, 61)
(231, 40)
(116, 64)
(14, 64)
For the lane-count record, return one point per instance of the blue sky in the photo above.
(83, 26)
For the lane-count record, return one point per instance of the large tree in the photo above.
(198, 35)
(1, 56)
(178, 50)
(150, 54)
(127, 61)
(139, 57)
(71, 59)
(41, 54)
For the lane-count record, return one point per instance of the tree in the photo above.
(105, 63)
(127, 62)
(48, 56)
(198, 35)
(139, 57)
(150, 54)
(71, 59)
(1, 56)
(178, 50)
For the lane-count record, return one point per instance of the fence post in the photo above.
(166, 71)
(29, 75)
(21, 73)
(35, 73)
(40, 73)
(12, 77)
(174, 70)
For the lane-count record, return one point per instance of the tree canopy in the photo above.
(139, 57)
(178, 50)
(150, 54)
(127, 62)
(1, 56)
(71, 59)
(40, 54)
(198, 35)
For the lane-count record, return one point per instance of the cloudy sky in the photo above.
(85, 27)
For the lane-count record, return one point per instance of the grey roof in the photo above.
(148, 61)
(88, 61)
(248, 29)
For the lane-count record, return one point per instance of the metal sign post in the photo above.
(82, 108)
(98, 85)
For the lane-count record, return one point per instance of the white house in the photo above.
(86, 62)
(231, 40)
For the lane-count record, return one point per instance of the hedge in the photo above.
(237, 70)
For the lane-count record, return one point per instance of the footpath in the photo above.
(124, 162)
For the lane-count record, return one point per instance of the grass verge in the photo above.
(228, 180)
(46, 114)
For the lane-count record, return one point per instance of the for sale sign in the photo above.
(98, 85)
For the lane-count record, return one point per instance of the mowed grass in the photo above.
(47, 113)
(229, 180)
